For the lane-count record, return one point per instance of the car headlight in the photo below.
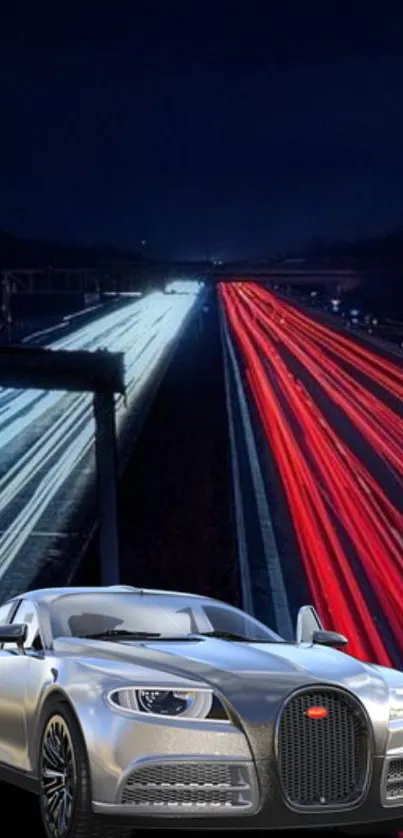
(396, 705)
(189, 704)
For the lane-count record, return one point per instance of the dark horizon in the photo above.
(317, 247)
(200, 132)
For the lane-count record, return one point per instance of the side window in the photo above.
(27, 613)
(5, 611)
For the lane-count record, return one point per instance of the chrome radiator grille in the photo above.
(190, 788)
(394, 781)
(323, 762)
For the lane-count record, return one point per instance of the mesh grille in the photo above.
(189, 786)
(175, 773)
(323, 761)
(394, 782)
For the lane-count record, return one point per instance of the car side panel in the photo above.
(22, 680)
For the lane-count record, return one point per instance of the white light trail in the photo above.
(44, 435)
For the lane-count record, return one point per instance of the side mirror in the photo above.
(14, 633)
(329, 638)
(307, 623)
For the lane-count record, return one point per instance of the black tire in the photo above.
(60, 724)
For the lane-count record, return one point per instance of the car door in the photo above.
(21, 676)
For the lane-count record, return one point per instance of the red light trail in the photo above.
(348, 528)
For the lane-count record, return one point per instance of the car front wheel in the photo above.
(65, 788)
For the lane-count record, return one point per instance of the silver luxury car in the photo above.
(123, 707)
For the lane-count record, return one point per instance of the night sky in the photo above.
(233, 129)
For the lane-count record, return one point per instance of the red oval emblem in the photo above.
(316, 712)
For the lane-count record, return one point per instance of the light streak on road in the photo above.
(348, 528)
(382, 426)
(378, 368)
(44, 435)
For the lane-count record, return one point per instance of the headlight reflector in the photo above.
(166, 703)
(396, 705)
(182, 703)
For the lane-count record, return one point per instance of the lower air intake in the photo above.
(190, 788)
(394, 781)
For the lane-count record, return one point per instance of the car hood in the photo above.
(238, 670)
(253, 679)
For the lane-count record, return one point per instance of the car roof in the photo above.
(50, 594)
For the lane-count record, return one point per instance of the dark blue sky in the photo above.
(237, 128)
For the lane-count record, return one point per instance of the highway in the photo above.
(316, 422)
(46, 436)
(326, 412)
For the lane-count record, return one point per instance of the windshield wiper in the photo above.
(230, 635)
(118, 633)
(123, 634)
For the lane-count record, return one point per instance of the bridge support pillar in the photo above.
(107, 478)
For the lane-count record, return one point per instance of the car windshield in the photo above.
(156, 615)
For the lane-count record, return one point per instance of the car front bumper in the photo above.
(254, 799)
(216, 774)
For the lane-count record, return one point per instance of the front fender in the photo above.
(116, 740)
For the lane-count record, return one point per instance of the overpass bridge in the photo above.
(143, 276)
(342, 279)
